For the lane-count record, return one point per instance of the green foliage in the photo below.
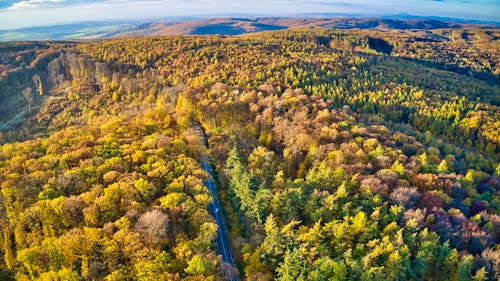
(197, 266)
(480, 275)
(442, 168)
(465, 268)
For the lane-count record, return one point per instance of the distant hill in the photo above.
(222, 26)
(236, 26)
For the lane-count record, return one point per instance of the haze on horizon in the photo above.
(28, 13)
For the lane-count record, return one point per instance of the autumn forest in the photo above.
(363, 154)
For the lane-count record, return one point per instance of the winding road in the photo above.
(230, 273)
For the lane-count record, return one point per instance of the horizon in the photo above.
(16, 14)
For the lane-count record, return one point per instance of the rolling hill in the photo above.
(222, 26)
(236, 26)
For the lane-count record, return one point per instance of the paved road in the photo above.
(223, 247)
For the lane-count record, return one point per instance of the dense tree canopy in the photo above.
(341, 155)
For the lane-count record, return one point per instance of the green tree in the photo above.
(146, 189)
(465, 268)
(481, 275)
(197, 266)
(443, 167)
(292, 267)
(398, 167)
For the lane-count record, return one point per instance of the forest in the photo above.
(339, 155)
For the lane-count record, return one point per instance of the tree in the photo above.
(443, 167)
(197, 266)
(146, 189)
(292, 266)
(173, 199)
(64, 274)
(465, 268)
(30, 259)
(242, 185)
(480, 275)
(153, 269)
(262, 164)
(27, 96)
(273, 246)
(398, 167)
(431, 200)
(154, 227)
(322, 176)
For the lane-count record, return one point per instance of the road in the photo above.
(230, 272)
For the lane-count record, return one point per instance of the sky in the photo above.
(27, 13)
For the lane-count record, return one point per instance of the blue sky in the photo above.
(25, 13)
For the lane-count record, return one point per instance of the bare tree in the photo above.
(27, 96)
(153, 226)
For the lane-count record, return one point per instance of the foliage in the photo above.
(341, 155)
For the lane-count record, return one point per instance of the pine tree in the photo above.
(481, 275)
(465, 268)
(443, 167)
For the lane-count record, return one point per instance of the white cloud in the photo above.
(33, 4)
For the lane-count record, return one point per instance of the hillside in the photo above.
(356, 154)
(222, 26)
(235, 26)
